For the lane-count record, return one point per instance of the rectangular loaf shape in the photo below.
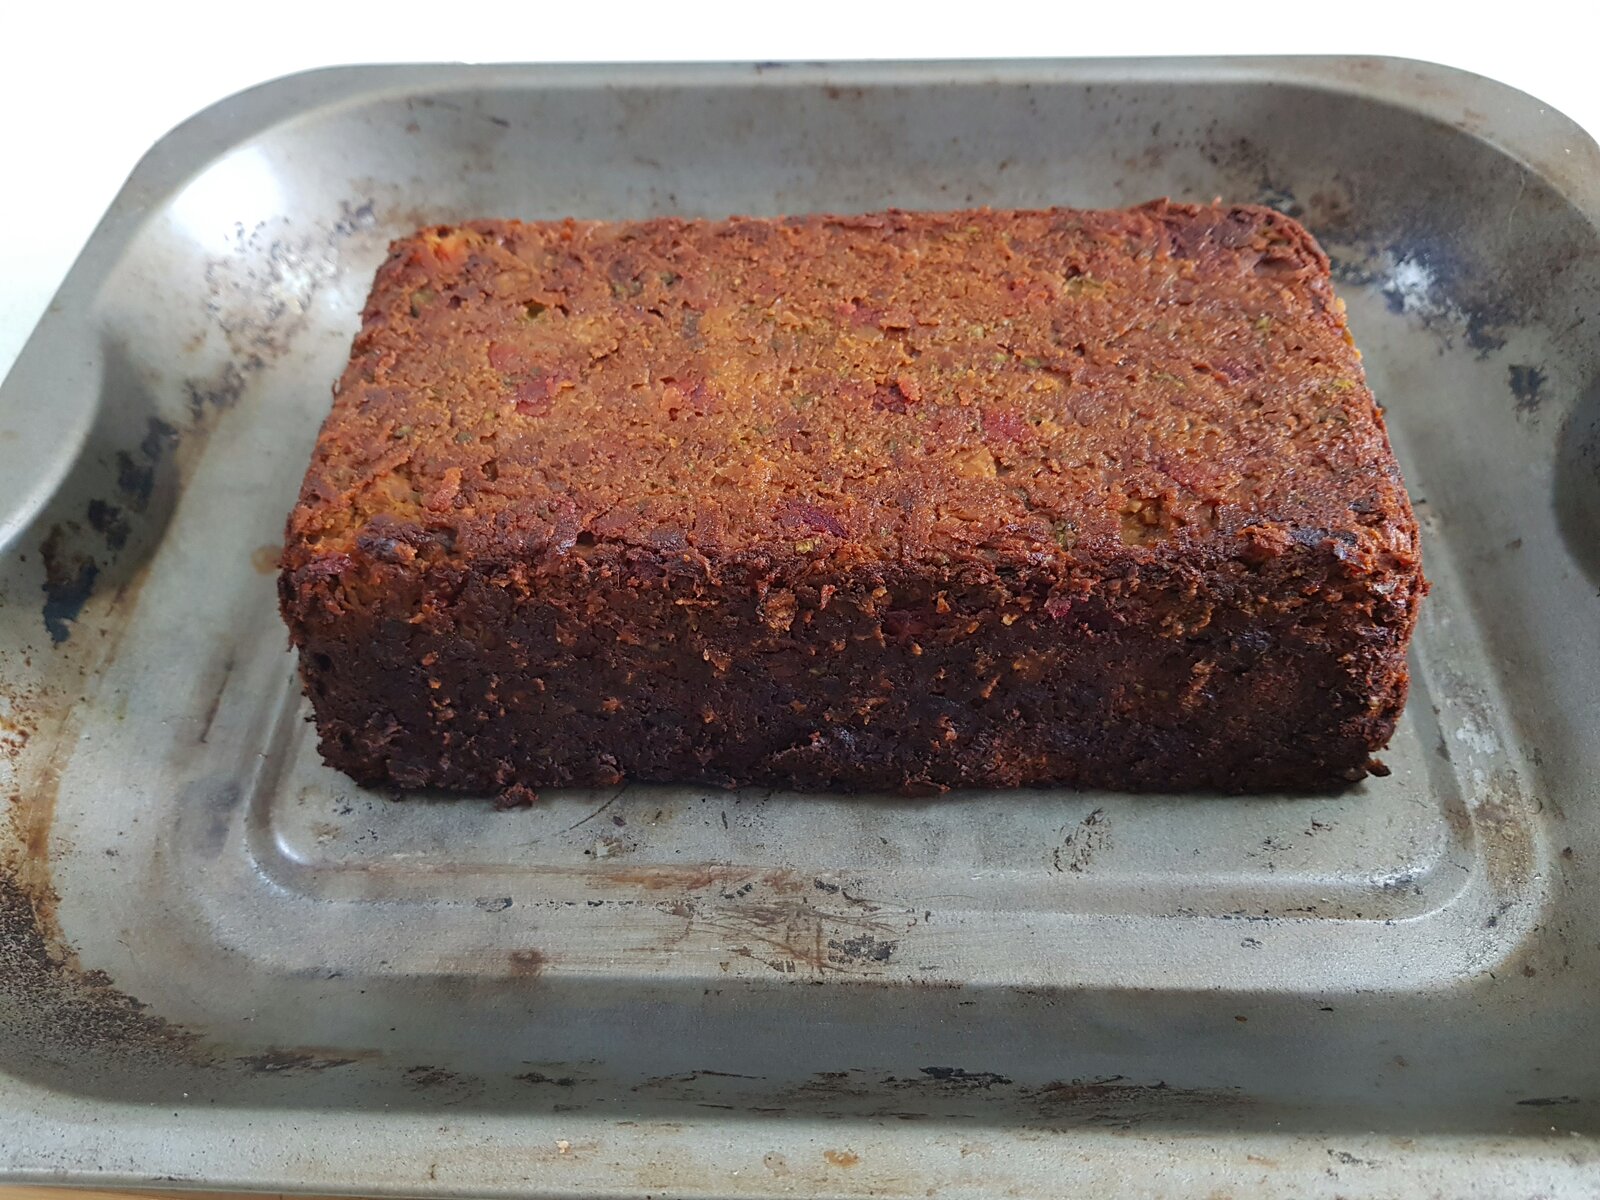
(904, 501)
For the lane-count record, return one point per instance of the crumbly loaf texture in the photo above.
(905, 501)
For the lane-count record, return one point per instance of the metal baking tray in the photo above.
(221, 964)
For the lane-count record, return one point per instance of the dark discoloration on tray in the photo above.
(957, 1079)
(540, 1078)
(1081, 843)
(259, 297)
(1253, 172)
(159, 438)
(791, 937)
(441, 1086)
(80, 554)
(1119, 1103)
(1111, 1101)
(698, 878)
(1345, 1158)
(690, 1078)
(864, 948)
(50, 1008)
(221, 390)
(1507, 839)
(423, 1077)
(215, 704)
(206, 814)
(777, 918)
(1527, 383)
(136, 481)
(69, 577)
(527, 963)
(136, 468)
(109, 521)
(280, 1060)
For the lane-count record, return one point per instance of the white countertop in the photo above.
(84, 96)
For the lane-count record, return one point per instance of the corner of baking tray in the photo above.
(1519, 125)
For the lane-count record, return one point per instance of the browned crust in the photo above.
(904, 500)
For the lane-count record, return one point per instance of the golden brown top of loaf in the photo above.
(897, 387)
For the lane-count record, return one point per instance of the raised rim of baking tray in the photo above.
(84, 1139)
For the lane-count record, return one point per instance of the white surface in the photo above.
(87, 89)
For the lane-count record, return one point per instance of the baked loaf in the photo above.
(905, 501)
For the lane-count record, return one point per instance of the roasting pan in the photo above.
(223, 965)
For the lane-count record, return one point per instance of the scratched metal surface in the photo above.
(221, 964)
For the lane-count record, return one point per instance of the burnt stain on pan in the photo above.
(69, 578)
(277, 1061)
(136, 469)
(259, 298)
(777, 918)
(79, 554)
(205, 814)
(110, 522)
(1081, 843)
(215, 704)
(864, 948)
(1115, 1102)
(668, 878)
(50, 1009)
(958, 1079)
(1111, 1102)
(691, 1085)
(1527, 383)
(539, 1078)
(423, 1077)
(222, 390)
(440, 1085)
(527, 964)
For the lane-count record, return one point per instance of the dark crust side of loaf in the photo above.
(459, 632)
